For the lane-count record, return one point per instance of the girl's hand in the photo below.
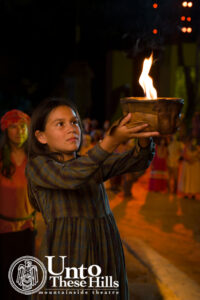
(121, 133)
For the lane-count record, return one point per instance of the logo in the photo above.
(27, 275)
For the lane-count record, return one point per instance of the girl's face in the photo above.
(17, 133)
(62, 132)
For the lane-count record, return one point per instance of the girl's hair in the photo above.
(7, 167)
(38, 122)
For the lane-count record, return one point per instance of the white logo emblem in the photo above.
(27, 275)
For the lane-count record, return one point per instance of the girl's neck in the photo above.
(69, 156)
(16, 149)
(18, 155)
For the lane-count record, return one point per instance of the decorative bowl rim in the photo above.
(145, 100)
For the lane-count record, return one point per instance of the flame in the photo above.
(146, 81)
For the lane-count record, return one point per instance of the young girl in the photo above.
(69, 192)
(16, 218)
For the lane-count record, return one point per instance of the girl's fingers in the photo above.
(145, 134)
(125, 119)
(138, 128)
(137, 131)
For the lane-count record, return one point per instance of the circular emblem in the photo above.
(27, 275)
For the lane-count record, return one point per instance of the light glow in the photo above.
(184, 4)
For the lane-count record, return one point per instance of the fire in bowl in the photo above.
(162, 114)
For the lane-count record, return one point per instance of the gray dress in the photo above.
(80, 225)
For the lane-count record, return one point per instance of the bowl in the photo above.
(162, 114)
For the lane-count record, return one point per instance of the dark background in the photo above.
(40, 40)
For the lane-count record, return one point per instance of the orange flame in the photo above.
(146, 81)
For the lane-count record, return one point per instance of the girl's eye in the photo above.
(60, 124)
(13, 126)
(23, 126)
(75, 122)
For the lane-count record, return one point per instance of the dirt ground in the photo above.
(167, 223)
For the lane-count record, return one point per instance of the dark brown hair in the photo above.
(7, 167)
(38, 122)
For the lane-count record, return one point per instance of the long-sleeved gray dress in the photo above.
(80, 225)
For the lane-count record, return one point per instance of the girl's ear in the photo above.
(41, 137)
